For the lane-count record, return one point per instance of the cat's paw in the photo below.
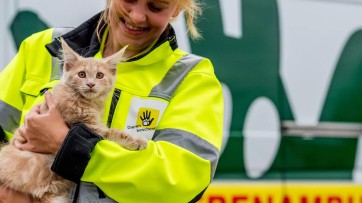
(126, 140)
(138, 143)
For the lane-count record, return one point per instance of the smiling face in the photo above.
(138, 23)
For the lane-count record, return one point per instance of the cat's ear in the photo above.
(116, 58)
(69, 56)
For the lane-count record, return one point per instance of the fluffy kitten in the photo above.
(80, 96)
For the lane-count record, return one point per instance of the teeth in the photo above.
(133, 27)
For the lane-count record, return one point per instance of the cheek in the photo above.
(159, 21)
(72, 78)
(113, 18)
(75, 83)
(110, 82)
(106, 81)
(78, 81)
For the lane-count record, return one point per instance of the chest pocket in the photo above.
(31, 87)
(144, 113)
(33, 92)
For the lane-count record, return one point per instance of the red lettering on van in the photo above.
(237, 199)
(217, 199)
(334, 199)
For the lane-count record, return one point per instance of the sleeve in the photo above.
(22, 78)
(11, 100)
(180, 161)
(85, 140)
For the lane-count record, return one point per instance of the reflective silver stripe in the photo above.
(57, 69)
(190, 142)
(57, 65)
(88, 192)
(9, 117)
(174, 76)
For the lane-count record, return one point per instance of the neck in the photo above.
(112, 46)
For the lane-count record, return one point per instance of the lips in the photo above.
(134, 30)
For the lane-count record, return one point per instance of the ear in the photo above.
(116, 58)
(69, 56)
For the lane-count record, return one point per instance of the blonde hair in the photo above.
(192, 9)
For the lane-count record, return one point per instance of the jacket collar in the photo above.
(83, 40)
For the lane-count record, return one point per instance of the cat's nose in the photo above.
(90, 85)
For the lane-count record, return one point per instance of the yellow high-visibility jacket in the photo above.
(178, 91)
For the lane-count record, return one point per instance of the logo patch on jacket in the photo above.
(144, 116)
(147, 118)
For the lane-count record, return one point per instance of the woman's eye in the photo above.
(155, 8)
(81, 74)
(100, 75)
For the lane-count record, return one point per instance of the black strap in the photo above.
(76, 193)
(115, 98)
(198, 197)
(101, 194)
(2, 135)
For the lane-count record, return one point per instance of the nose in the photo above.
(90, 85)
(137, 13)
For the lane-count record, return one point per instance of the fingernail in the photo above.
(16, 144)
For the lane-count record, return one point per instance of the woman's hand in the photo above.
(43, 132)
(10, 196)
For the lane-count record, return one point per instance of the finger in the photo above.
(49, 100)
(35, 110)
(27, 146)
(21, 138)
(24, 146)
(19, 145)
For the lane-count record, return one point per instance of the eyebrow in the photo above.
(163, 1)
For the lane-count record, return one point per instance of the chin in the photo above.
(90, 95)
(133, 42)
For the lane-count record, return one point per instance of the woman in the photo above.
(162, 93)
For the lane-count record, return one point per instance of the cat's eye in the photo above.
(81, 74)
(100, 75)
